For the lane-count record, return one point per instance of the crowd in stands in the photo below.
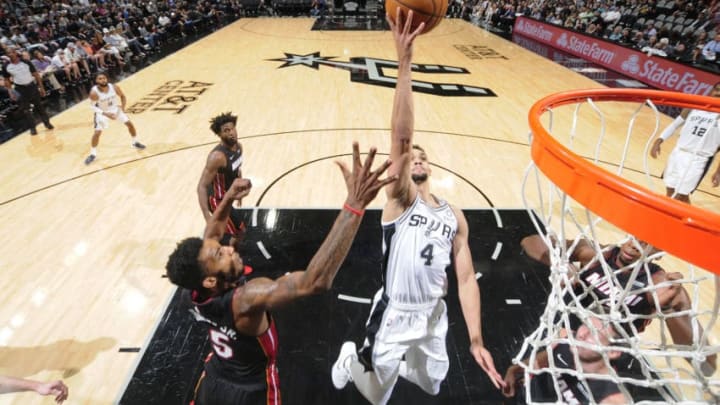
(685, 31)
(69, 41)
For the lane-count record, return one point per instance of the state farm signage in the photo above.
(655, 71)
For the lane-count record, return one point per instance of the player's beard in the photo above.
(419, 178)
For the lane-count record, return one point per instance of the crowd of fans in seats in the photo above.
(686, 31)
(69, 41)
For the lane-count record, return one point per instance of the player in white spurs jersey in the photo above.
(108, 103)
(408, 320)
(697, 145)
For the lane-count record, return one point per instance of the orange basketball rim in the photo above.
(686, 231)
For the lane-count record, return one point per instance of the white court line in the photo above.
(263, 250)
(354, 299)
(254, 216)
(498, 248)
(497, 217)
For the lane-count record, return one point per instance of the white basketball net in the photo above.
(676, 372)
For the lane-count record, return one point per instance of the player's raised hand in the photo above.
(362, 183)
(401, 32)
(239, 189)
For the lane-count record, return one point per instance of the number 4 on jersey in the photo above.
(427, 254)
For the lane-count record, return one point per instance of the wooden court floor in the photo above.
(83, 247)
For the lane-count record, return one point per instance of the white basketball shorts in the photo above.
(418, 335)
(684, 171)
(103, 122)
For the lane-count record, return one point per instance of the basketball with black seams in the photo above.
(431, 12)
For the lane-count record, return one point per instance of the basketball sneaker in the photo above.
(341, 369)
(138, 145)
(89, 159)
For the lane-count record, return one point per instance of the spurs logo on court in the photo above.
(372, 71)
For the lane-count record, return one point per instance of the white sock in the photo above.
(93, 151)
(134, 139)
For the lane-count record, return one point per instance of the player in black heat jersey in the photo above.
(242, 369)
(573, 387)
(594, 285)
(223, 166)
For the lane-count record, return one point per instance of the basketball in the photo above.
(431, 12)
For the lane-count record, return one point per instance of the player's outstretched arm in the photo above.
(469, 296)
(363, 184)
(56, 388)
(403, 114)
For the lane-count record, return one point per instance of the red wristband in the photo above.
(353, 210)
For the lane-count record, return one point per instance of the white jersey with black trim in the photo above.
(417, 248)
(107, 102)
(700, 133)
